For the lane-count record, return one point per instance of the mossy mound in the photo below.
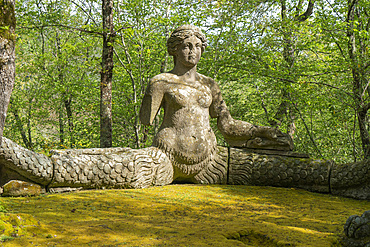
(185, 215)
(15, 225)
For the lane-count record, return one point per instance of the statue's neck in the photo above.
(185, 74)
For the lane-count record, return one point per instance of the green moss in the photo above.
(15, 225)
(7, 20)
(5, 238)
(253, 238)
(3, 209)
(185, 215)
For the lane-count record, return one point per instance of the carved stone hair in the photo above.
(181, 33)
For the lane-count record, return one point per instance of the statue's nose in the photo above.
(192, 49)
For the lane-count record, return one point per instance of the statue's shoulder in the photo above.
(162, 78)
(210, 82)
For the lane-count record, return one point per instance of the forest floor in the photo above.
(178, 215)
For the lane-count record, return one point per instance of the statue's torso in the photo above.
(186, 133)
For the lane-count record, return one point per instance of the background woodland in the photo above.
(301, 66)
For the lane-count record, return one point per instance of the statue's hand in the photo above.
(263, 137)
(243, 134)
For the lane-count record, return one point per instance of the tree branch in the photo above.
(295, 82)
(63, 26)
(351, 10)
(308, 12)
(88, 14)
(119, 29)
(366, 107)
(308, 130)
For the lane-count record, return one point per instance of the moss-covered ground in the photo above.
(178, 215)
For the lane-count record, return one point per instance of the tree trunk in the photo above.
(61, 124)
(106, 76)
(364, 133)
(19, 124)
(356, 55)
(67, 105)
(7, 56)
(65, 97)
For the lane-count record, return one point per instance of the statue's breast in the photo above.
(181, 95)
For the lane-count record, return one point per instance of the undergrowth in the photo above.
(183, 215)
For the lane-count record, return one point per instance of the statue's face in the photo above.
(189, 52)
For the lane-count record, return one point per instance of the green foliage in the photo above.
(272, 69)
(57, 74)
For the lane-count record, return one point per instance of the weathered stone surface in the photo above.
(351, 180)
(357, 231)
(250, 168)
(149, 166)
(27, 167)
(63, 189)
(277, 152)
(21, 188)
(189, 99)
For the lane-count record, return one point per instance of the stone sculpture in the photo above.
(189, 99)
(357, 231)
(185, 147)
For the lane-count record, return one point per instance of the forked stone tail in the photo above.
(88, 168)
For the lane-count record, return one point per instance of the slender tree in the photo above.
(106, 76)
(7, 56)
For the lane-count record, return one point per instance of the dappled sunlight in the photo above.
(299, 229)
(183, 215)
(305, 230)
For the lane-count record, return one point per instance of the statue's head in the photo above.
(180, 34)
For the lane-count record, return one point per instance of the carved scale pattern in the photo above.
(272, 170)
(132, 168)
(90, 168)
(350, 180)
(216, 171)
(34, 166)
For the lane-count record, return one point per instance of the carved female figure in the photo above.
(189, 99)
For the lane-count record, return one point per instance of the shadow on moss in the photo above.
(252, 238)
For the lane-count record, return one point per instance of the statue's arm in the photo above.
(228, 126)
(243, 134)
(151, 103)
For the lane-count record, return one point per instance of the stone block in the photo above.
(21, 188)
